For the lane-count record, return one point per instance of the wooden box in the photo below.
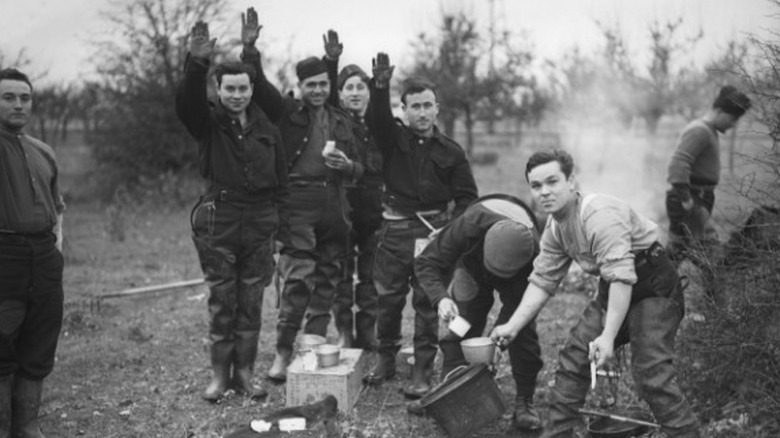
(344, 380)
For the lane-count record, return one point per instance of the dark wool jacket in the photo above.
(295, 122)
(462, 241)
(420, 174)
(369, 152)
(248, 160)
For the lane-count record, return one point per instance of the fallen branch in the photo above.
(155, 288)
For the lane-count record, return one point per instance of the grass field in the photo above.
(135, 367)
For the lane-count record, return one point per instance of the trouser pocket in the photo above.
(203, 216)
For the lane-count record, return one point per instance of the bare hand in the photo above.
(688, 204)
(601, 351)
(503, 335)
(382, 70)
(333, 48)
(200, 44)
(447, 309)
(337, 160)
(250, 29)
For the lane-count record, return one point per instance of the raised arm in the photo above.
(380, 119)
(192, 105)
(333, 51)
(264, 95)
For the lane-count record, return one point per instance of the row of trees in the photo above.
(483, 76)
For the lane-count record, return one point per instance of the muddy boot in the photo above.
(421, 372)
(26, 401)
(244, 363)
(221, 354)
(526, 417)
(346, 338)
(385, 367)
(365, 328)
(5, 405)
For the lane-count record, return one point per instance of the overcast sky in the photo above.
(57, 33)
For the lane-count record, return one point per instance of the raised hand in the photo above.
(200, 44)
(250, 29)
(333, 48)
(382, 70)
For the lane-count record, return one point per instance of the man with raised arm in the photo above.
(310, 260)
(365, 199)
(491, 246)
(639, 302)
(244, 208)
(31, 262)
(428, 181)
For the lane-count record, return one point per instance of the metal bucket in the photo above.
(466, 401)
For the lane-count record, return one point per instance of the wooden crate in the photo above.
(344, 380)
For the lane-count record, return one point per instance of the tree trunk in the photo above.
(469, 131)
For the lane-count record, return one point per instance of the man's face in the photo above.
(315, 90)
(235, 92)
(15, 103)
(550, 188)
(724, 121)
(354, 95)
(421, 110)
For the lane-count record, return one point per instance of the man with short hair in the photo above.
(365, 200)
(246, 205)
(491, 246)
(694, 172)
(310, 260)
(639, 302)
(426, 174)
(31, 263)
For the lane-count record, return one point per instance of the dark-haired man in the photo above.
(365, 199)
(694, 172)
(492, 246)
(639, 301)
(426, 174)
(31, 260)
(310, 260)
(235, 221)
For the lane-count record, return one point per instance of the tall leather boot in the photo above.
(365, 328)
(25, 402)
(384, 368)
(221, 354)
(6, 383)
(344, 326)
(244, 357)
(421, 372)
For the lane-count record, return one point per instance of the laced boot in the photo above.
(243, 364)
(526, 417)
(6, 383)
(221, 352)
(26, 401)
(421, 372)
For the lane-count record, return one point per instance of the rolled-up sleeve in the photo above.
(552, 264)
(609, 228)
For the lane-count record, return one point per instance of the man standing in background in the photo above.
(310, 260)
(426, 174)
(245, 207)
(31, 263)
(694, 172)
(365, 200)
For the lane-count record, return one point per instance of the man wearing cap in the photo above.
(31, 262)
(364, 195)
(694, 172)
(244, 208)
(310, 260)
(491, 246)
(428, 181)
